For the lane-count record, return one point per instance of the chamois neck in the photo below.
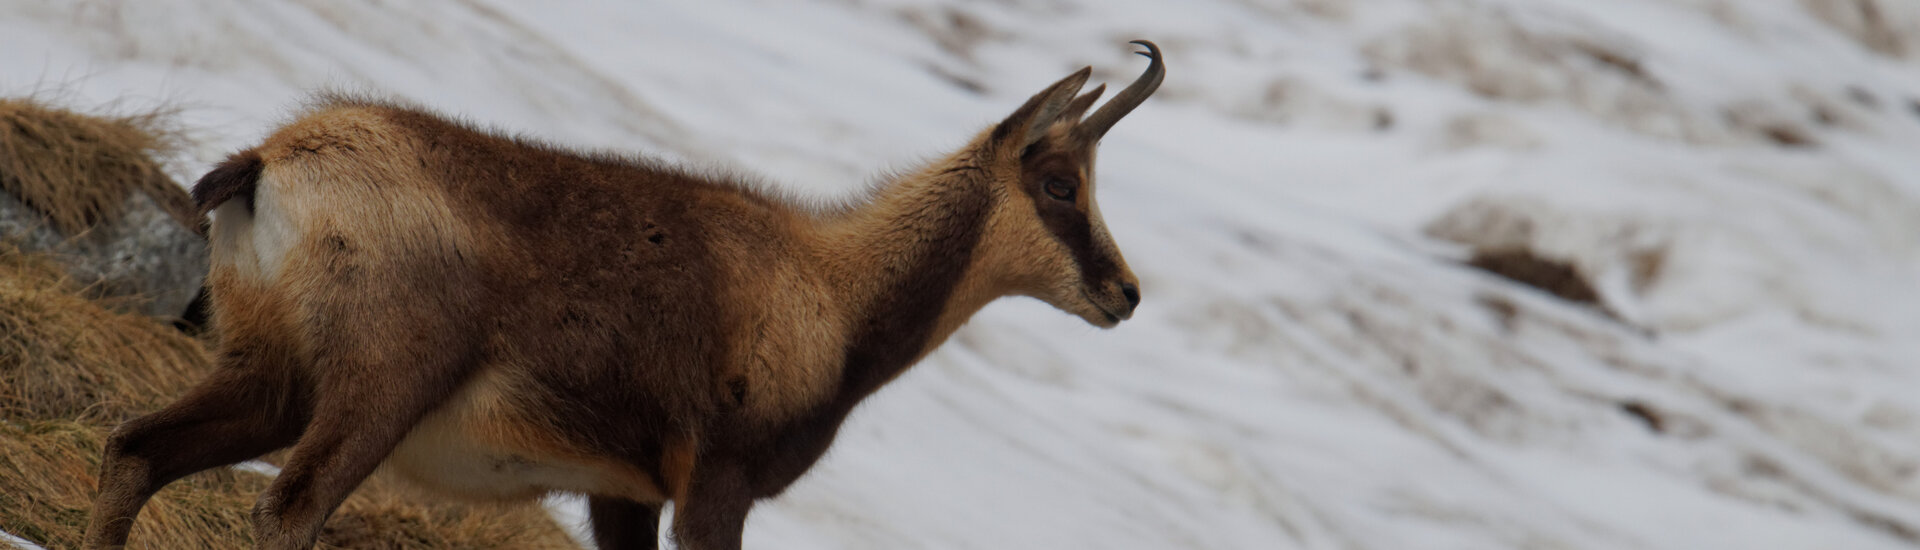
(904, 259)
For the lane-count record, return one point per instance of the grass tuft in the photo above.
(78, 169)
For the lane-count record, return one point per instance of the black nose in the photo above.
(1132, 293)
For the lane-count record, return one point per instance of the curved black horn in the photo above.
(1096, 125)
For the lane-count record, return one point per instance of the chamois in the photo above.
(499, 319)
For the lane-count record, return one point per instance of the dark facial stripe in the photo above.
(1067, 222)
(1072, 228)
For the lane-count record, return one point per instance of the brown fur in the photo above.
(497, 318)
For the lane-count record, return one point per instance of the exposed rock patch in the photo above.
(88, 191)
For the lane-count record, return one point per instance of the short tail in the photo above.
(235, 178)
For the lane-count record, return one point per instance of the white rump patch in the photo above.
(254, 243)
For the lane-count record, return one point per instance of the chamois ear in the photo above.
(1028, 123)
(1080, 104)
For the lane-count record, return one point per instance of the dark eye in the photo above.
(1059, 189)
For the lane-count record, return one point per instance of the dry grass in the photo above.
(385, 516)
(47, 471)
(45, 150)
(71, 368)
(47, 477)
(65, 357)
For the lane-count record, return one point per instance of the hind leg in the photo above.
(244, 409)
(621, 524)
(371, 386)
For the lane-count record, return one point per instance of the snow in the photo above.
(17, 542)
(1312, 366)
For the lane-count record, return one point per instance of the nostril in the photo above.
(1132, 293)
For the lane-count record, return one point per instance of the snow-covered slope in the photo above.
(1312, 366)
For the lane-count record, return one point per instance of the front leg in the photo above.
(713, 513)
(621, 524)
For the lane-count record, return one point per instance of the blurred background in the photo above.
(1448, 274)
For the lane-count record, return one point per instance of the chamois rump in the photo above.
(498, 319)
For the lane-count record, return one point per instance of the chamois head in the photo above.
(1042, 158)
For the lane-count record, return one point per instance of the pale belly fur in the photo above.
(472, 448)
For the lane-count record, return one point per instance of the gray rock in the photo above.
(144, 259)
